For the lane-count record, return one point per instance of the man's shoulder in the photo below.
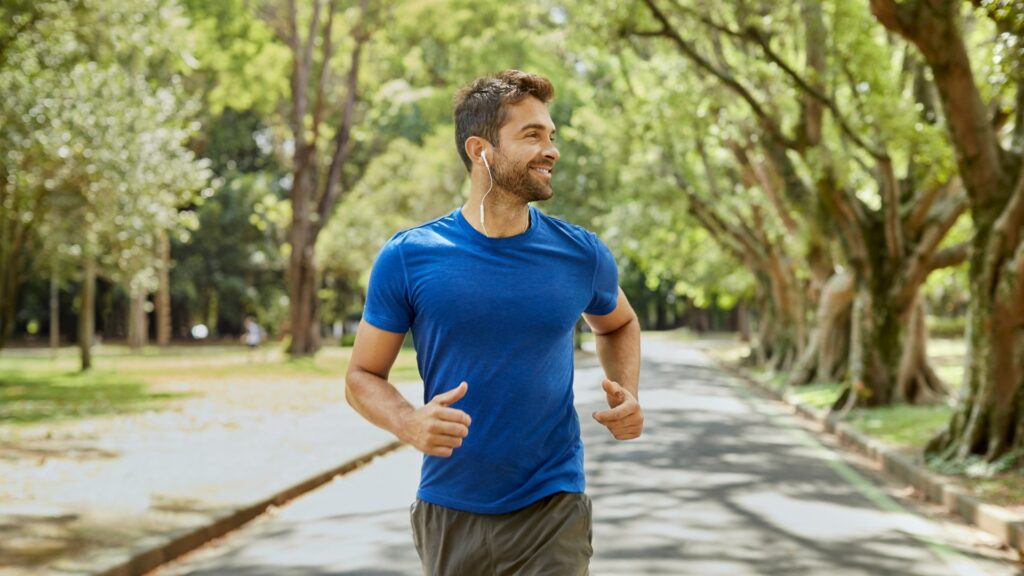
(569, 230)
(426, 233)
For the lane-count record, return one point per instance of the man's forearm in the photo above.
(378, 401)
(619, 353)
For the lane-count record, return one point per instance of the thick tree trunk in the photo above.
(305, 309)
(302, 273)
(881, 340)
(313, 197)
(989, 420)
(54, 309)
(825, 357)
(213, 311)
(743, 320)
(888, 359)
(916, 381)
(137, 325)
(777, 345)
(163, 292)
(8, 291)
(87, 312)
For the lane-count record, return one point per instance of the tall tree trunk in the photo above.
(313, 197)
(743, 320)
(11, 262)
(893, 349)
(137, 329)
(989, 420)
(87, 312)
(304, 306)
(54, 308)
(825, 357)
(916, 381)
(213, 311)
(163, 292)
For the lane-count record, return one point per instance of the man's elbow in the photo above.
(351, 386)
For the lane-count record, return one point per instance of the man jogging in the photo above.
(492, 293)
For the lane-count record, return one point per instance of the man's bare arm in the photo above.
(434, 428)
(617, 337)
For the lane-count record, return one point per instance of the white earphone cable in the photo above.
(483, 156)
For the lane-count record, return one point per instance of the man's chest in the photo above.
(522, 292)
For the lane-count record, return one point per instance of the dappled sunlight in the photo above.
(717, 487)
(809, 519)
(679, 400)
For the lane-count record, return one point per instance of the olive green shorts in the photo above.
(551, 536)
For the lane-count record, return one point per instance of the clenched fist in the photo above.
(624, 418)
(435, 428)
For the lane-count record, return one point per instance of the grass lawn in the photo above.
(901, 426)
(35, 387)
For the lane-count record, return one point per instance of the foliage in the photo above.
(94, 125)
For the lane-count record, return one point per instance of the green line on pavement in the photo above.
(952, 557)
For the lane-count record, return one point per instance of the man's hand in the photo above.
(436, 429)
(624, 419)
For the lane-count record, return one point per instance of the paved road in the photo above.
(721, 483)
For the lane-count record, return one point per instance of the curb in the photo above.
(1005, 525)
(149, 558)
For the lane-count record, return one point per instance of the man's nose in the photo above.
(551, 152)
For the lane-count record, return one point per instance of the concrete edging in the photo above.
(1005, 525)
(150, 557)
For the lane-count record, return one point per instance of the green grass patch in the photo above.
(51, 395)
(36, 387)
(902, 426)
(821, 396)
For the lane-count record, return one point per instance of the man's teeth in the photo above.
(543, 170)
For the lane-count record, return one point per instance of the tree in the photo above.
(96, 143)
(316, 185)
(847, 120)
(989, 421)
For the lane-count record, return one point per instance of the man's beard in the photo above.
(517, 179)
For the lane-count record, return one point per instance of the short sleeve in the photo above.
(388, 306)
(605, 291)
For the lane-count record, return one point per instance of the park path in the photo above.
(721, 483)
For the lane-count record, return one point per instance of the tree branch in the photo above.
(891, 209)
(757, 36)
(714, 223)
(949, 257)
(325, 70)
(920, 262)
(764, 180)
(669, 32)
(922, 204)
(1006, 233)
(332, 188)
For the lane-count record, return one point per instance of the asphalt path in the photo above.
(722, 482)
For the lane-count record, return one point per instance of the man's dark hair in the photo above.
(480, 106)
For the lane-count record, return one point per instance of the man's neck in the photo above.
(502, 217)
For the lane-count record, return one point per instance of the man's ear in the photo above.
(475, 149)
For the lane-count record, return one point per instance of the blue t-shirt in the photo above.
(499, 314)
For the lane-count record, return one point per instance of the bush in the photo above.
(946, 327)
